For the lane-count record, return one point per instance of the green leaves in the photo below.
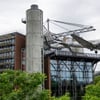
(64, 97)
(19, 85)
(93, 90)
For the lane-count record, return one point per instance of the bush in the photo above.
(19, 85)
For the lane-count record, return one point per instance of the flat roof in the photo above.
(10, 35)
(65, 55)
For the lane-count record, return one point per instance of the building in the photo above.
(23, 59)
(65, 70)
(10, 50)
(68, 71)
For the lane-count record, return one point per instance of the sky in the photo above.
(86, 12)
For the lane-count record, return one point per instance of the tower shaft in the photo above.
(34, 39)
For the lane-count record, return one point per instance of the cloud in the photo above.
(75, 11)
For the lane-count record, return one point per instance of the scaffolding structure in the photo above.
(71, 72)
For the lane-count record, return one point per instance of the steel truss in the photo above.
(70, 76)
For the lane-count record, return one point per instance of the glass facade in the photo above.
(66, 75)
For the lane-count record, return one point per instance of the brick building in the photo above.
(10, 50)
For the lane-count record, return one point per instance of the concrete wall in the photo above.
(34, 39)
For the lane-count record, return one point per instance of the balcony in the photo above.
(4, 44)
(6, 57)
(5, 63)
(5, 50)
(6, 37)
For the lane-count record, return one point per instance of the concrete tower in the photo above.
(34, 39)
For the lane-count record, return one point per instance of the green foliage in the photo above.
(19, 85)
(97, 79)
(93, 90)
(64, 97)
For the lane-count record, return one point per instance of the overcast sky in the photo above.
(76, 11)
(85, 12)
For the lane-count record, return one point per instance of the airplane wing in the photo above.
(83, 42)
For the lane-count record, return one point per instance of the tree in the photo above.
(93, 90)
(19, 85)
